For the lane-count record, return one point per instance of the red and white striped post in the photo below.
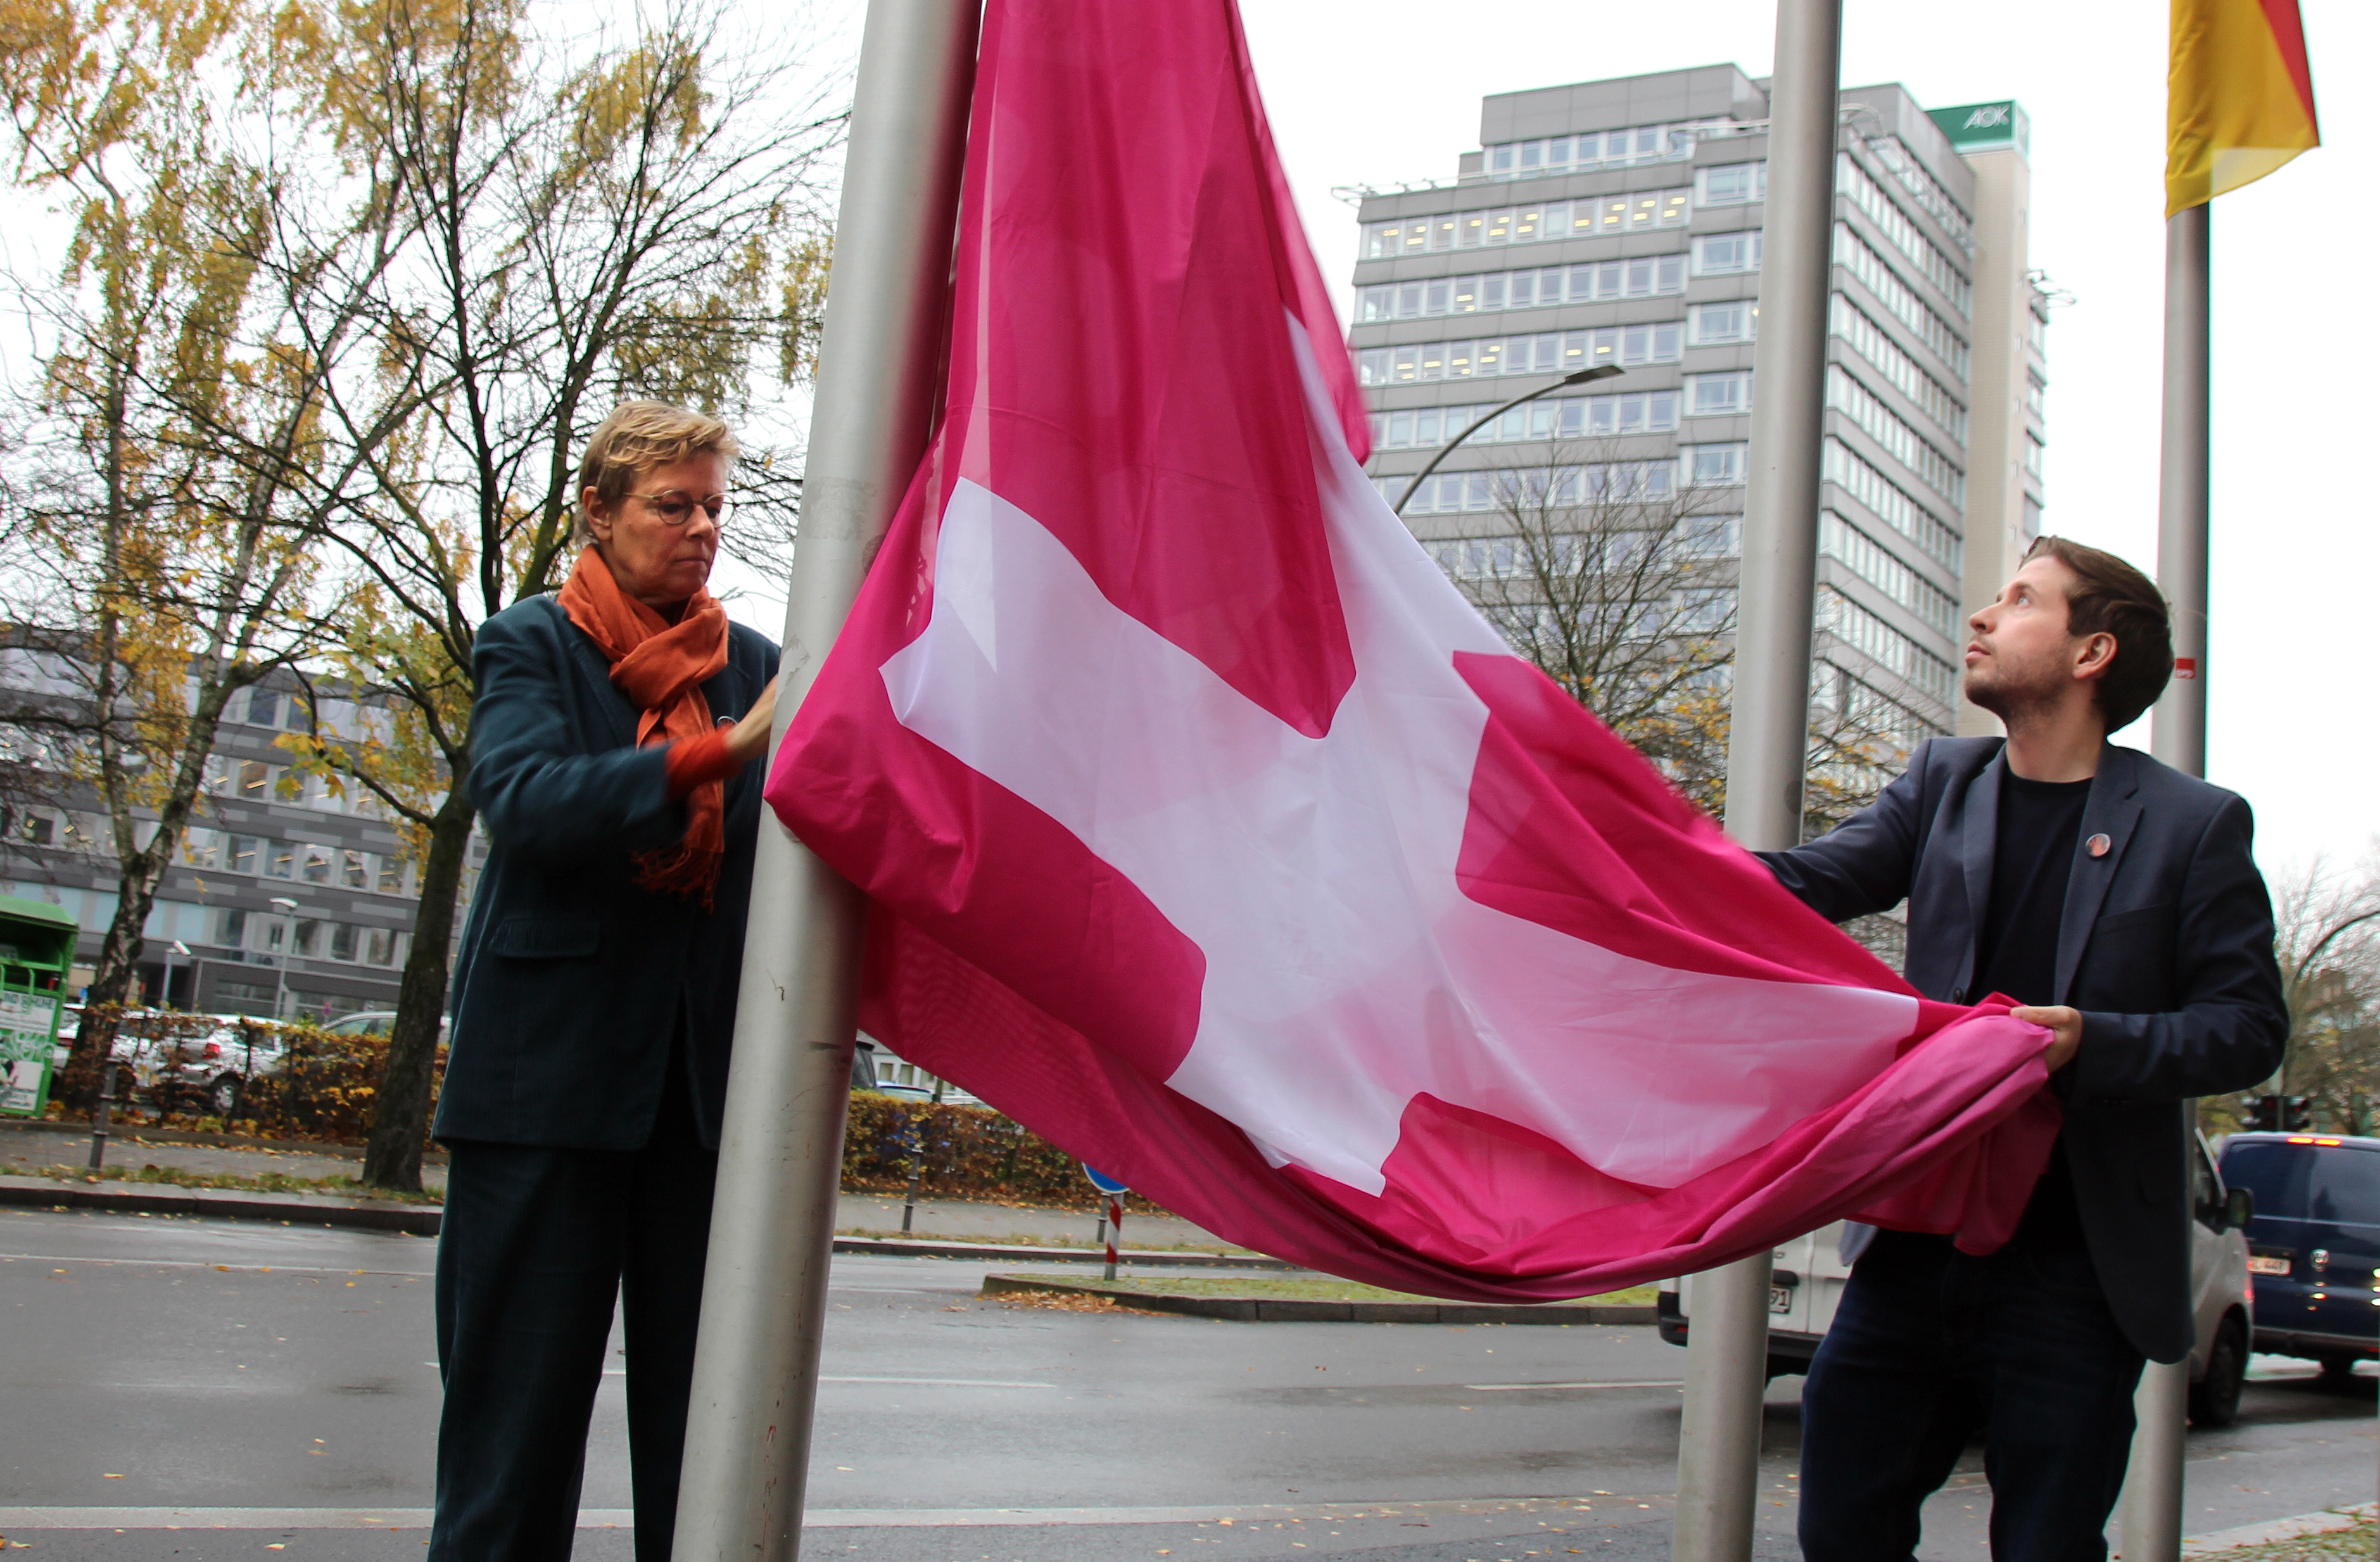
(1115, 1223)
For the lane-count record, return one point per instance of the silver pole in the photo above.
(2153, 1480)
(1727, 1341)
(772, 1219)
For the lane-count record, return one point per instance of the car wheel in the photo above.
(2215, 1400)
(225, 1097)
(2338, 1371)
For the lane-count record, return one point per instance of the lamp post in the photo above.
(165, 985)
(1600, 372)
(288, 933)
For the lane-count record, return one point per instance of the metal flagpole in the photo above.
(1727, 1339)
(2152, 1478)
(772, 1219)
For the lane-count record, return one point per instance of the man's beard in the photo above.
(2010, 698)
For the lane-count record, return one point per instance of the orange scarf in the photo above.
(661, 667)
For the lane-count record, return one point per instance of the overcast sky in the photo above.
(1381, 90)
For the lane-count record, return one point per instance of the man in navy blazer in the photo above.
(2117, 900)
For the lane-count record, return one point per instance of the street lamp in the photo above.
(166, 987)
(1600, 372)
(288, 936)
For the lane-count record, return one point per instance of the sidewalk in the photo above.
(32, 1148)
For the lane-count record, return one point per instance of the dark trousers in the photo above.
(1930, 1346)
(534, 1244)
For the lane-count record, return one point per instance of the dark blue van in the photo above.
(2313, 1246)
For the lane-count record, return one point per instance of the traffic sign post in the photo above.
(1112, 1227)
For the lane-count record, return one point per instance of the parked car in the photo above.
(2313, 1246)
(217, 1066)
(371, 1023)
(1806, 1283)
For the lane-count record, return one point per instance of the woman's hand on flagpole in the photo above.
(748, 738)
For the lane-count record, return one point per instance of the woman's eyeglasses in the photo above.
(677, 510)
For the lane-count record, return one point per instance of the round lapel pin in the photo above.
(2098, 846)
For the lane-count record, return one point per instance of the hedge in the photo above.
(324, 1090)
(962, 1153)
(325, 1086)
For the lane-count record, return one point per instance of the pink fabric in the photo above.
(1209, 831)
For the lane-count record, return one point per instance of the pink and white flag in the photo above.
(1213, 836)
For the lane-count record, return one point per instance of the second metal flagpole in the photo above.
(2153, 1480)
(780, 1147)
(1727, 1336)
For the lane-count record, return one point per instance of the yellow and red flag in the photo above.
(2239, 96)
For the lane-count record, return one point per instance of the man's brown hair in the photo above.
(2111, 597)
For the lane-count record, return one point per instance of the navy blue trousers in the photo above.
(1930, 1346)
(534, 1244)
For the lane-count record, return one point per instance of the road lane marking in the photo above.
(27, 1519)
(1616, 1383)
(347, 1269)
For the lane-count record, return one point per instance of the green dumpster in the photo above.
(37, 945)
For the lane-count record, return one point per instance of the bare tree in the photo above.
(598, 218)
(1620, 586)
(2327, 921)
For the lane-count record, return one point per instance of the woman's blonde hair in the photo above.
(639, 437)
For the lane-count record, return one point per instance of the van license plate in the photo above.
(1780, 1299)
(2263, 1263)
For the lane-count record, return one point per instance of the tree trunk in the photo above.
(113, 979)
(401, 1111)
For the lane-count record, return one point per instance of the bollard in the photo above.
(1114, 1229)
(100, 1114)
(909, 1205)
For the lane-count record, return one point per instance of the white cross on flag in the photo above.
(1213, 836)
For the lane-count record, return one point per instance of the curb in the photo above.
(1271, 1310)
(2330, 1522)
(423, 1220)
(290, 1209)
(896, 1247)
(122, 1132)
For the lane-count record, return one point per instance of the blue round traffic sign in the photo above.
(1103, 1182)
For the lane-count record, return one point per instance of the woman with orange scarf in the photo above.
(614, 750)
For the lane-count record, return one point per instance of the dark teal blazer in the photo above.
(572, 980)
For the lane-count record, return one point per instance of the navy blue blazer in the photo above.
(2166, 947)
(572, 980)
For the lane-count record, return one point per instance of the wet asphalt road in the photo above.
(273, 1391)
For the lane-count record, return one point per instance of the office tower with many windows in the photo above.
(1618, 223)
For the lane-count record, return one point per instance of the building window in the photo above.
(2035, 394)
(255, 780)
(1712, 536)
(380, 946)
(1554, 418)
(201, 849)
(391, 880)
(38, 829)
(1549, 352)
(1719, 395)
(1629, 148)
(1889, 502)
(306, 936)
(317, 864)
(263, 707)
(1643, 276)
(1712, 466)
(2033, 455)
(1731, 184)
(343, 941)
(231, 929)
(280, 859)
(246, 855)
(1871, 342)
(1602, 481)
(1528, 225)
(1941, 338)
(354, 870)
(1711, 324)
(1852, 180)
(1722, 254)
